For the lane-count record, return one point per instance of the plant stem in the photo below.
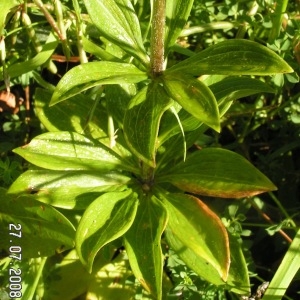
(277, 18)
(157, 37)
(156, 65)
(49, 18)
(269, 220)
(147, 174)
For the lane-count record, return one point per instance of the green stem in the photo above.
(147, 175)
(40, 263)
(157, 37)
(282, 209)
(49, 18)
(157, 66)
(277, 18)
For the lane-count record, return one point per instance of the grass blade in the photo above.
(286, 271)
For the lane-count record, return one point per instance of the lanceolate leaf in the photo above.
(69, 190)
(58, 117)
(238, 278)
(219, 173)
(85, 76)
(237, 281)
(70, 151)
(141, 122)
(199, 229)
(233, 88)
(96, 50)
(286, 271)
(106, 219)
(5, 7)
(117, 21)
(67, 279)
(177, 13)
(82, 120)
(233, 57)
(225, 91)
(20, 68)
(41, 228)
(117, 100)
(142, 243)
(195, 97)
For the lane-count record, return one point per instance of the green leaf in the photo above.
(142, 243)
(70, 151)
(225, 91)
(68, 190)
(195, 97)
(233, 57)
(113, 281)
(42, 57)
(219, 173)
(238, 278)
(237, 281)
(5, 7)
(142, 119)
(233, 88)
(43, 231)
(96, 50)
(67, 279)
(86, 76)
(199, 229)
(117, 21)
(172, 151)
(82, 120)
(105, 220)
(177, 13)
(284, 275)
(32, 275)
(58, 117)
(118, 98)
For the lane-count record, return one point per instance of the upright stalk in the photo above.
(157, 67)
(277, 18)
(157, 37)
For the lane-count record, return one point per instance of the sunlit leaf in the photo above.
(225, 91)
(83, 120)
(17, 69)
(142, 243)
(233, 57)
(199, 229)
(96, 50)
(141, 122)
(66, 280)
(237, 281)
(218, 172)
(69, 151)
(106, 219)
(286, 271)
(238, 278)
(59, 118)
(117, 21)
(195, 97)
(118, 98)
(86, 76)
(5, 7)
(233, 88)
(69, 190)
(43, 229)
(177, 13)
(111, 281)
